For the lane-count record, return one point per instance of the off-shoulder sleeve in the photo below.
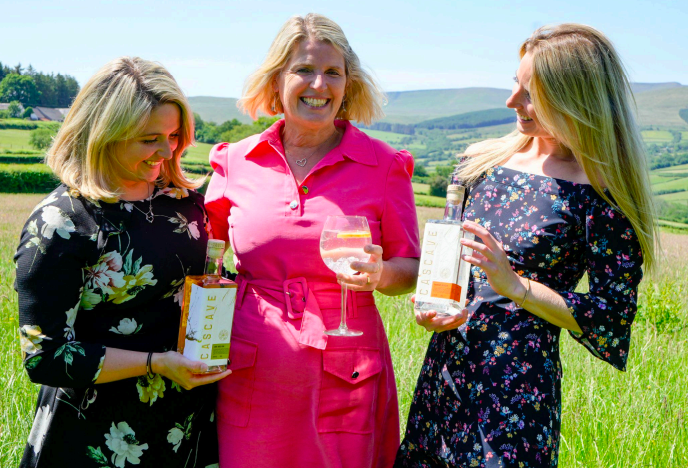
(399, 227)
(605, 314)
(217, 204)
(50, 260)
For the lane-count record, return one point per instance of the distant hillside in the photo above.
(659, 104)
(489, 117)
(217, 110)
(642, 87)
(409, 107)
(661, 107)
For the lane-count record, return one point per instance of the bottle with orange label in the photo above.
(443, 274)
(207, 313)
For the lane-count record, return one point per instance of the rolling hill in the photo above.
(217, 110)
(489, 117)
(661, 107)
(642, 87)
(409, 107)
(659, 104)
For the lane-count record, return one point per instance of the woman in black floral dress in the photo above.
(100, 270)
(566, 194)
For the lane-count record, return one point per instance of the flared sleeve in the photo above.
(51, 262)
(605, 314)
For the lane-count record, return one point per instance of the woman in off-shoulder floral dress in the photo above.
(496, 395)
(542, 221)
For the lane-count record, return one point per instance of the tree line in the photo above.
(229, 131)
(32, 88)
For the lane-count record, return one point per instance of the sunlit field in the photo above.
(636, 418)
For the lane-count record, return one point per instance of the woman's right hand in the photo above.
(432, 322)
(187, 373)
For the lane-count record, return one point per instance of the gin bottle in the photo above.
(207, 313)
(443, 274)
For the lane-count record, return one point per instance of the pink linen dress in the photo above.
(296, 397)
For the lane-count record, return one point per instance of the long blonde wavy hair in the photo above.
(114, 106)
(582, 97)
(364, 99)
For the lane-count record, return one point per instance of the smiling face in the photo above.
(144, 154)
(312, 85)
(520, 101)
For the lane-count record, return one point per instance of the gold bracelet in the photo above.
(528, 289)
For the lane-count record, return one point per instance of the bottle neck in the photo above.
(453, 211)
(213, 266)
(454, 206)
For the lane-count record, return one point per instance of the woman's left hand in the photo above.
(369, 272)
(491, 257)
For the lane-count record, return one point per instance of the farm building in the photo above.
(49, 114)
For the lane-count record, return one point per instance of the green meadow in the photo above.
(610, 419)
(636, 418)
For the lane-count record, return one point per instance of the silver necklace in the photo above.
(302, 161)
(149, 214)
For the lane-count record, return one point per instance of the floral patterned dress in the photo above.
(494, 398)
(92, 275)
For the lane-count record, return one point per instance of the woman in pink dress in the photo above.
(297, 397)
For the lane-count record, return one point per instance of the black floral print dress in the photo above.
(494, 398)
(92, 275)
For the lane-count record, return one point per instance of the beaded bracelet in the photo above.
(149, 369)
(528, 289)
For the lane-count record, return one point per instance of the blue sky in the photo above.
(211, 45)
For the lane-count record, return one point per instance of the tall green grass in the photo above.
(636, 418)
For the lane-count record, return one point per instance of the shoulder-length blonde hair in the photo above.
(364, 99)
(582, 97)
(114, 106)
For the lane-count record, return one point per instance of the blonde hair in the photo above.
(363, 97)
(114, 106)
(582, 97)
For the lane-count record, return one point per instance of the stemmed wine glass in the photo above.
(342, 242)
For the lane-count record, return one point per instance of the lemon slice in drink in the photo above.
(354, 234)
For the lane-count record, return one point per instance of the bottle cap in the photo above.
(454, 187)
(215, 248)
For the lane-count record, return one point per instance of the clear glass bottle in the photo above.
(443, 274)
(207, 312)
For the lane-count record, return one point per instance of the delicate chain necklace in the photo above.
(149, 214)
(302, 161)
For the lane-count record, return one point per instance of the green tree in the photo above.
(438, 186)
(41, 138)
(27, 112)
(20, 88)
(14, 109)
(46, 85)
(445, 171)
(420, 170)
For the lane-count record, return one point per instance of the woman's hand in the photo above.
(433, 322)
(187, 373)
(370, 272)
(491, 257)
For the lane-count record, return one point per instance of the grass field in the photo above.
(14, 139)
(675, 197)
(674, 184)
(390, 137)
(656, 136)
(198, 153)
(671, 169)
(609, 419)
